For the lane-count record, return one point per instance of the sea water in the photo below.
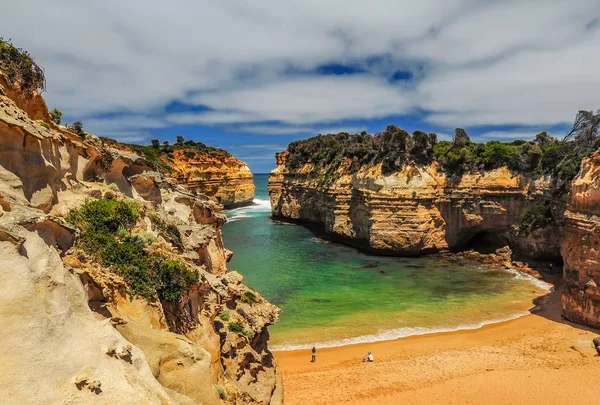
(334, 295)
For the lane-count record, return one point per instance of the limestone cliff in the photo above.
(581, 246)
(72, 330)
(219, 175)
(415, 210)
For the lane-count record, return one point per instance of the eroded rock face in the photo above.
(581, 246)
(413, 212)
(75, 334)
(222, 177)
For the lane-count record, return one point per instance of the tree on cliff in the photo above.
(584, 131)
(180, 140)
(19, 67)
(77, 127)
(155, 143)
(56, 115)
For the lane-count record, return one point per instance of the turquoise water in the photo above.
(333, 295)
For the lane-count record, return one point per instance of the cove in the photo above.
(334, 295)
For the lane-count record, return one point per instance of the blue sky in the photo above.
(252, 76)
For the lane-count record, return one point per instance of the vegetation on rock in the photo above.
(395, 148)
(18, 66)
(249, 297)
(535, 218)
(237, 328)
(56, 115)
(105, 235)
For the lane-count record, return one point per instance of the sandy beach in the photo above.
(536, 359)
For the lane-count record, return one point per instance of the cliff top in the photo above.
(395, 148)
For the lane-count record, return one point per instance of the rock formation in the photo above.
(220, 176)
(72, 330)
(581, 246)
(413, 211)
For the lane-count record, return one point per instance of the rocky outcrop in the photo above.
(71, 328)
(581, 246)
(414, 211)
(218, 175)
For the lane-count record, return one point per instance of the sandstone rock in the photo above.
(222, 177)
(415, 211)
(581, 246)
(69, 325)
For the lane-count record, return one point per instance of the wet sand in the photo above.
(536, 359)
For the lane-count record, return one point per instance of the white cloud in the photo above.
(529, 62)
(312, 99)
(272, 129)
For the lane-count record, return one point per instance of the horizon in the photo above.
(252, 79)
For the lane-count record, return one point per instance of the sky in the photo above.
(251, 77)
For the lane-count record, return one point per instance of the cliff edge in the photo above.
(114, 278)
(581, 246)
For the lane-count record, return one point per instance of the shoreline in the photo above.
(388, 335)
(523, 360)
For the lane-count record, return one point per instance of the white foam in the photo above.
(538, 283)
(257, 206)
(393, 334)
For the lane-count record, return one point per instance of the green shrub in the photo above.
(174, 279)
(395, 148)
(105, 235)
(168, 229)
(19, 67)
(225, 315)
(237, 328)
(44, 124)
(56, 115)
(77, 128)
(249, 297)
(535, 218)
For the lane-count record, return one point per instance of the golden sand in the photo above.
(537, 359)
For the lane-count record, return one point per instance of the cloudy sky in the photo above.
(253, 76)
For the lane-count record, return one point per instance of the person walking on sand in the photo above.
(314, 354)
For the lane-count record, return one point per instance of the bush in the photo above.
(237, 328)
(174, 279)
(19, 67)
(535, 218)
(394, 148)
(56, 115)
(105, 235)
(77, 128)
(249, 297)
(169, 230)
(225, 315)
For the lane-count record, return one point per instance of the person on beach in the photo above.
(314, 354)
(370, 357)
(364, 359)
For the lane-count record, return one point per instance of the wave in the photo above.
(258, 206)
(537, 282)
(393, 334)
